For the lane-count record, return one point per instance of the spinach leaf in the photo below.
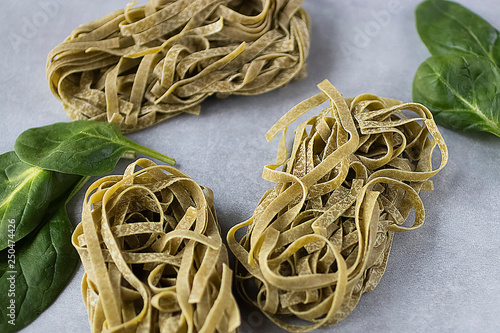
(42, 264)
(463, 92)
(460, 83)
(26, 194)
(447, 27)
(82, 147)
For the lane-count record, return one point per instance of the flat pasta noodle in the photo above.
(153, 256)
(321, 237)
(142, 65)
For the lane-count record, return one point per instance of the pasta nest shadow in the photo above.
(321, 237)
(142, 65)
(153, 256)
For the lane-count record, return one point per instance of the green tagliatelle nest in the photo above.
(153, 256)
(321, 237)
(139, 66)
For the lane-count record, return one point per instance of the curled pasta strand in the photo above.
(141, 65)
(321, 237)
(153, 256)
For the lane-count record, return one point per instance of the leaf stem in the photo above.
(77, 188)
(149, 152)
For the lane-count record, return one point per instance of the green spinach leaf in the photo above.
(447, 27)
(460, 83)
(26, 195)
(463, 92)
(36, 271)
(82, 147)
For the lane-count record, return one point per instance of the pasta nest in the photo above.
(321, 237)
(153, 256)
(142, 65)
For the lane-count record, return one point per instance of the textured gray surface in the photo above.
(442, 277)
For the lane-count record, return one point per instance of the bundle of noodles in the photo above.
(154, 260)
(142, 65)
(321, 237)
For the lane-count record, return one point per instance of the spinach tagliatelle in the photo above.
(321, 237)
(141, 65)
(153, 256)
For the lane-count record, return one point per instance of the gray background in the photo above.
(442, 277)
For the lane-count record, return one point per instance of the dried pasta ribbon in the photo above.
(142, 65)
(321, 237)
(153, 256)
